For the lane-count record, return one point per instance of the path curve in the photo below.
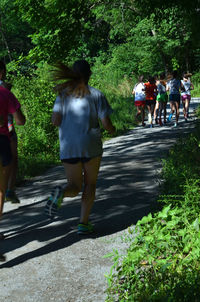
(48, 261)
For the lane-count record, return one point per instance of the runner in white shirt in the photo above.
(186, 86)
(140, 100)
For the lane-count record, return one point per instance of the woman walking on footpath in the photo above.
(140, 101)
(186, 86)
(8, 104)
(77, 110)
(151, 93)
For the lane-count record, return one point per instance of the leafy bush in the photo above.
(183, 163)
(162, 262)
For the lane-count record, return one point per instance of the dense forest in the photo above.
(120, 39)
(140, 36)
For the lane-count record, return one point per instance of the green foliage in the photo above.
(195, 81)
(38, 139)
(152, 38)
(162, 262)
(183, 163)
(14, 32)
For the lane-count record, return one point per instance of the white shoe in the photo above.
(149, 118)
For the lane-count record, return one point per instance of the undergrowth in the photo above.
(162, 263)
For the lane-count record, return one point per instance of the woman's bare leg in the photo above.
(74, 175)
(142, 114)
(187, 104)
(91, 170)
(14, 165)
(4, 174)
(177, 111)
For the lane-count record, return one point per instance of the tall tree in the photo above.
(165, 32)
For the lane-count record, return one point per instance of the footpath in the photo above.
(47, 260)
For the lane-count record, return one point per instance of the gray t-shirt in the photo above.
(174, 86)
(79, 132)
(161, 88)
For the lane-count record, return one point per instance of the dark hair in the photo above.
(2, 65)
(77, 78)
(187, 75)
(3, 69)
(174, 73)
(82, 67)
(151, 80)
(7, 85)
(162, 76)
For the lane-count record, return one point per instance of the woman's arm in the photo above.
(107, 125)
(56, 119)
(19, 117)
(191, 86)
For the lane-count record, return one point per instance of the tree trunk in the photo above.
(4, 40)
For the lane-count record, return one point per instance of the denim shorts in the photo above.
(5, 151)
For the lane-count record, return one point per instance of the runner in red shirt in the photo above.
(151, 93)
(8, 104)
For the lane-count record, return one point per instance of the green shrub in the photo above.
(162, 262)
(182, 163)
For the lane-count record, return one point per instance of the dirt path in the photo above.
(47, 261)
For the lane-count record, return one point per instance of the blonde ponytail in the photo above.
(75, 81)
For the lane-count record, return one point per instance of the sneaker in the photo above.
(170, 117)
(11, 196)
(2, 258)
(54, 202)
(2, 236)
(149, 118)
(84, 229)
(175, 125)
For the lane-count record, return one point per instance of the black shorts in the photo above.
(174, 98)
(150, 102)
(76, 160)
(5, 151)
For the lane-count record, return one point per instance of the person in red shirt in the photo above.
(8, 104)
(151, 93)
(10, 192)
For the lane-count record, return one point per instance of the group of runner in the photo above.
(154, 94)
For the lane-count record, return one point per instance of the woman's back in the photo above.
(79, 131)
